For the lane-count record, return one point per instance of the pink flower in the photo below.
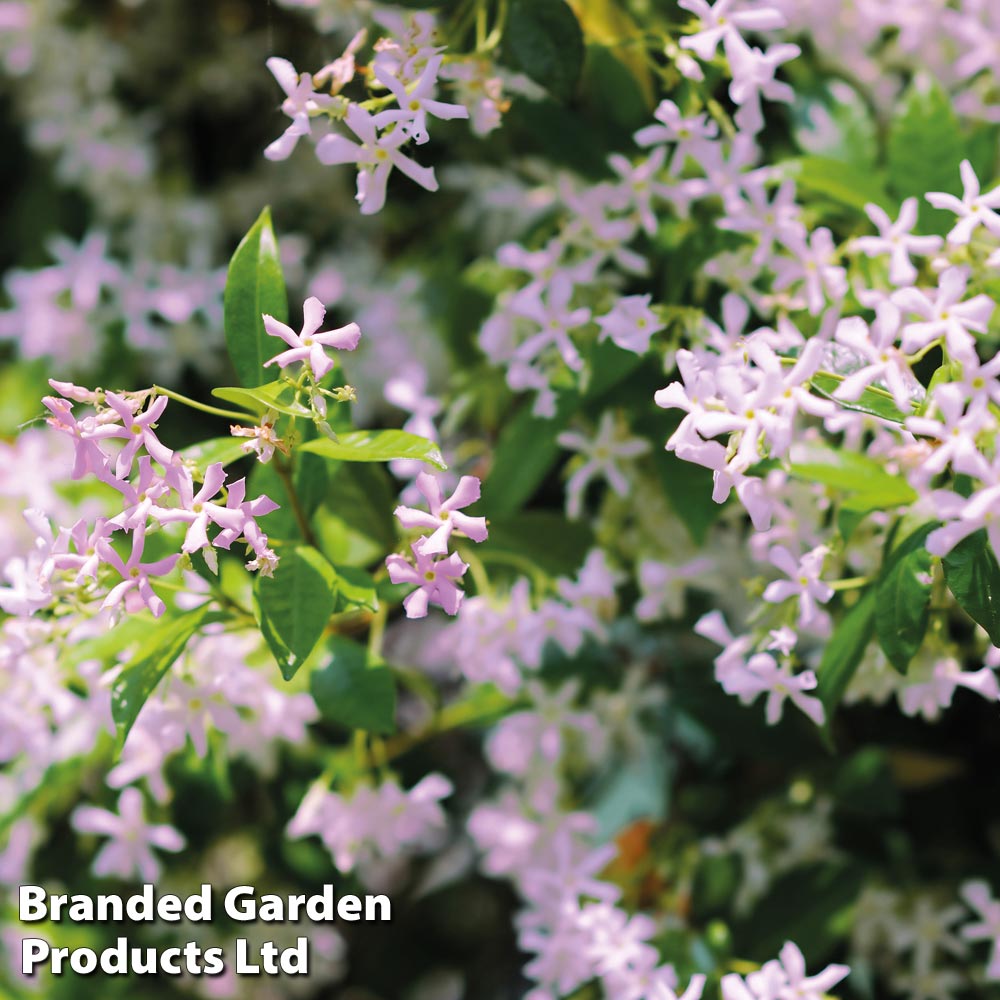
(138, 497)
(973, 209)
(631, 323)
(198, 510)
(803, 582)
(416, 102)
(690, 134)
(897, 240)
(137, 430)
(135, 574)
(723, 21)
(947, 314)
(301, 102)
(128, 852)
(308, 345)
(376, 156)
(444, 516)
(85, 434)
(780, 683)
(603, 456)
(436, 580)
(978, 897)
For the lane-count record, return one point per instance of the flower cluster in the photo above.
(811, 289)
(435, 572)
(498, 639)
(785, 976)
(373, 823)
(117, 443)
(403, 78)
(57, 311)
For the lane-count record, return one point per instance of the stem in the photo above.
(479, 575)
(493, 40)
(718, 112)
(285, 475)
(539, 579)
(480, 25)
(377, 630)
(850, 583)
(204, 407)
(914, 358)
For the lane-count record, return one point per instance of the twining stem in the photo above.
(850, 583)
(493, 39)
(377, 630)
(204, 407)
(285, 475)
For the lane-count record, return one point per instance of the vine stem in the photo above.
(285, 475)
(204, 407)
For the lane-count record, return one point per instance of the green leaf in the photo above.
(840, 181)
(352, 692)
(973, 576)
(608, 365)
(294, 606)
(524, 455)
(542, 538)
(377, 446)
(872, 401)
(354, 523)
(950, 371)
(924, 150)
(278, 396)
(22, 385)
(543, 40)
(609, 29)
(356, 590)
(844, 651)
(254, 285)
(139, 677)
(225, 450)
(688, 487)
(868, 485)
(903, 598)
(108, 647)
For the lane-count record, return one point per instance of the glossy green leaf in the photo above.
(543, 40)
(873, 401)
(161, 646)
(839, 181)
(525, 453)
(844, 651)
(356, 590)
(225, 450)
(688, 487)
(542, 538)
(903, 598)
(377, 446)
(950, 371)
(354, 523)
(353, 692)
(973, 576)
(294, 606)
(255, 285)
(278, 396)
(867, 484)
(924, 149)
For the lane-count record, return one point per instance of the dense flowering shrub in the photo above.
(590, 538)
